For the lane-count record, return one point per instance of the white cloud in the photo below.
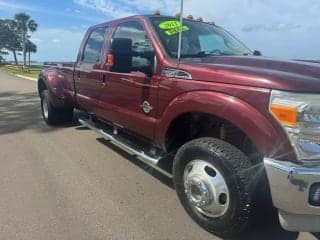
(117, 9)
(109, 8)
(51, 48)
(35, 40)
(4, 5)
(9, 6)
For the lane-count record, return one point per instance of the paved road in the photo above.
(66, 183)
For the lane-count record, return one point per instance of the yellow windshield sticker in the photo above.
(169, 24)
(175, 31)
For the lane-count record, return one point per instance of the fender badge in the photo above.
(146, 107)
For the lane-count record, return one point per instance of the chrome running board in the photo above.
(151, 161)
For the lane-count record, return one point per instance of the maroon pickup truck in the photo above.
(231, 128)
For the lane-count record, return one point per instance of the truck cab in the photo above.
(225, 124)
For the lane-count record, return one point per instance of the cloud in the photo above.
(4, 5)
(270, 28)
(109, 8)
(122, 8)
(51, 48)
(35, 40)
(8, 6)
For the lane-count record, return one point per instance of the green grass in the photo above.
(17, 70)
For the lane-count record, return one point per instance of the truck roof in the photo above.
(146, 16)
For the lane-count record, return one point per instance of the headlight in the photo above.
(299, 115)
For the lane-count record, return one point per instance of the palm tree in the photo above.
(11, 38)
(24, 25)
(30, 48)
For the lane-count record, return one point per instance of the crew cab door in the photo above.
(88, 76)
(130, 92)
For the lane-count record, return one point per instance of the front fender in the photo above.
(265, 134)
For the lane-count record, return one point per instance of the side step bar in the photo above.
(152, 162)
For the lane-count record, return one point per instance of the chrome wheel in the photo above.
(45, 109)
(206, 189)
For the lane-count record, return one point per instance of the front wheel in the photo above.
(213, 184)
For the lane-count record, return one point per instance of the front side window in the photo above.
(93, 47)
(198, 39)
(140, 43)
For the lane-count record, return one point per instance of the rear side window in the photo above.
(92, 50)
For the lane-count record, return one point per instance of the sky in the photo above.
(284, 29)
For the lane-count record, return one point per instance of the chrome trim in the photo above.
(299, 222)
(146, 107)
(152, 162)
(175, 73)
(290, 189)
(292, 168)
(290, 186)
(204, 189)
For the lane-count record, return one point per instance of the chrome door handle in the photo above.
(78, 75)
(103, 80)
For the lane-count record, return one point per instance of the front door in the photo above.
(131, 95)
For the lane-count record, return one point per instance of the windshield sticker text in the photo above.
(175, 31)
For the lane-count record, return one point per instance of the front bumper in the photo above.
(290, 189)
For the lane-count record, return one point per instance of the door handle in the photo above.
(103, 79)
(78, 75)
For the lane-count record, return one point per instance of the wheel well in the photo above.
(194, 125)
(41, 86)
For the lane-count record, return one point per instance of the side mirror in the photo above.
(257, 53)
(121, 51)
(144, 61)
(124, 58)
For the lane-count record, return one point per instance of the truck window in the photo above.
(92, 50)
(209, 41)
(199, 39)
(140, 42)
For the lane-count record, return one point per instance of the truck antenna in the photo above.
(180, 31)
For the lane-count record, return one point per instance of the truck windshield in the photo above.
(198, 39)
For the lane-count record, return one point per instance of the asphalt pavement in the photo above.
(68, 183)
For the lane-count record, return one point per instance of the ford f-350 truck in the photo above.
(216, 120)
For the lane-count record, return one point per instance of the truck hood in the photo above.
(261, 72)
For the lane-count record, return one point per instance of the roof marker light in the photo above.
(190, 17)
(200, 19)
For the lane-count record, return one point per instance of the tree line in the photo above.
(15, 38)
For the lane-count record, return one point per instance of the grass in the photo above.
(17, 70)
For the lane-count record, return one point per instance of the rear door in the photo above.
(89, 80)
(132, 96)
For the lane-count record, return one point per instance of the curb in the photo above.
(29, 78)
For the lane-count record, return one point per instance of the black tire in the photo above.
(234, 166)
(52, 115)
